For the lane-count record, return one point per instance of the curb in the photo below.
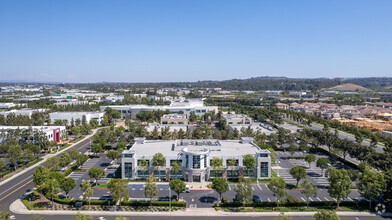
(19, 208)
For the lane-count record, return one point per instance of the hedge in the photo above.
(128, 203)
(154, 203)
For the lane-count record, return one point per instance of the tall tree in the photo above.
(339, 184)
(371, 184)
(96, 173)
(298, 173)
(326, 215)
(87, 191)
(310, 158)
(119, 190)
(244, 190)
(278, 188)
(217, 165)
(158, 160)
(323, 163)
(67, 185)
(178, 186)
(150, 189)
(220, 185)
(249, 162)
(309, 190)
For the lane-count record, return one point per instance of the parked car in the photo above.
(256, 198)
(187, 189)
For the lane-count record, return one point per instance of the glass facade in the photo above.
(162, 173)
(176, 175)
(187, 161)
(196, 161)
(215, 173)
(205, 161)
(264, 169)
(232, 173)
(250, 173)
(143, 174)
(128, 170)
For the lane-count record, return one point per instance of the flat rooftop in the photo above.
(234, 148)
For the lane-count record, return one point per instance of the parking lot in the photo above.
(205, 198)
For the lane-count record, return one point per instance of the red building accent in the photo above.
(56, 134)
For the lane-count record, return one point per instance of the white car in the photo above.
(187, 189)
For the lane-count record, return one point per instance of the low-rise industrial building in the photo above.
(194, 158)
(180, 119)
(24, 112)
(188, 106)
(236, 119)
(68, 116)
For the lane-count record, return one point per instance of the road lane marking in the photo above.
(16, 185)
(16, 190)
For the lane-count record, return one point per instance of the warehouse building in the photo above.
(54, 116)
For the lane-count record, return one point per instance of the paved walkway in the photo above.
(19, 208)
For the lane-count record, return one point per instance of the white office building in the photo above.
(7, 105)
(53, 133)
(196, 106)
(237, 119)
(24, 112)
(194, 157)
(54, 116)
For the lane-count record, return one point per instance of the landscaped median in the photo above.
(35, 201)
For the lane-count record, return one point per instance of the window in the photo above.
(187, 161)
(196, 161)
(164, 122)
(205, 161)
(128, 155)
(177, 175)
(162, 173)
(232, 173)
(263, 155)
(128, 170)
(203, 111)
(264, 169)
(215, 173)
(180, 123)
(143, 173)
(228, 164)
(250, 173)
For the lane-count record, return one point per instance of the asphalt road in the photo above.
(342, 135)
(22, 184)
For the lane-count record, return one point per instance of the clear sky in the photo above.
(190, 40)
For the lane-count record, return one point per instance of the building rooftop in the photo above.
(213, 146)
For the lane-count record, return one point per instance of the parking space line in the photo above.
(229, 187)
(253, 188)
(334, 199)
(326, 198)
(259, 186)
(310, 199)
(302, 199)
(268, 199)
(318, 199)
(349, 199)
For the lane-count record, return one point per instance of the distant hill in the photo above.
(348, 87)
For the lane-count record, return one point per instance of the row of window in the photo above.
(264, 170)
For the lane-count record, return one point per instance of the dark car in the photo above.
(256, 198)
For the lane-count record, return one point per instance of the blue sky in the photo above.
(190, 40)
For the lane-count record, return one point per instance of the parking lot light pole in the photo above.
(169, 200)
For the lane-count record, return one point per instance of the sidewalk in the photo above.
(44, 160)
(19, 208)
